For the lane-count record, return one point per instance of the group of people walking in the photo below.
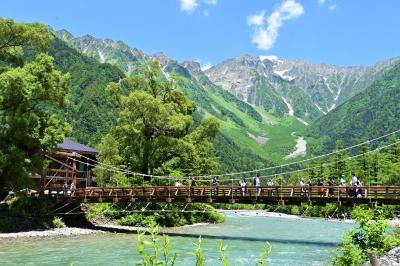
(355, 189)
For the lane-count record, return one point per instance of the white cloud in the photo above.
(210, 2)
(321, 2)
(265, 31)
(256, 19)
(332, 7)
(188, 5)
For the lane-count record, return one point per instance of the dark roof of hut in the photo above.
(73, 146)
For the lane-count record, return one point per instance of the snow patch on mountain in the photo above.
(302, 121)
(259, 139)
(291, 110)
(281, 73)
(102, 57)
(319, 108)
(300, 148)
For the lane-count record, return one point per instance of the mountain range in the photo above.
(265, 105)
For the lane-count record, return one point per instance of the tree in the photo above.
(28, 93)
(154, 133)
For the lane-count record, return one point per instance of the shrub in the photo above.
(58, 222)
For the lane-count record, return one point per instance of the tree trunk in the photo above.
(145, 158)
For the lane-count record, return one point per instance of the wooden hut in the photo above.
(71, 163)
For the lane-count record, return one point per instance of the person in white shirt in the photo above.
(258, 184)
(242, 184)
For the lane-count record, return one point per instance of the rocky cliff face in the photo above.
(107, 51)
(281, 87)
(326, 86)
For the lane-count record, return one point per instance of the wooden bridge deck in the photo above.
(290, 195)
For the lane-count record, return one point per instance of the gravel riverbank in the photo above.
(106, 228)
(67, 231)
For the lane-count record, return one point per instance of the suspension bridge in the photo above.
(290, 195)
(226, 191)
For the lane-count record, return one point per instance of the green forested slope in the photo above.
(91, 112)
(373, 112)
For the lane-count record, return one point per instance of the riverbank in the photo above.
(67, 231)
(261, 213)
(113, 228)
(75, 231)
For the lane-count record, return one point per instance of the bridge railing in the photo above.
(233, 192)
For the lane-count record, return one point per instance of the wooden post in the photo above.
(42, 184)
(74, 172)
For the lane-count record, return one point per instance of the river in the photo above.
(294, 242)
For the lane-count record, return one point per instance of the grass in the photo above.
(280, 142)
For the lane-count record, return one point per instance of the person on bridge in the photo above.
(72, 188)
(65, 186)
(331, 183)
(270, 184)
(359, 192)
(177, 183)
(320, 184)
(303, 186)
(354, 180)
(214, 184)
(242, 184)
(342, 181)
(309, 187)
(192, 184)
(257, 184)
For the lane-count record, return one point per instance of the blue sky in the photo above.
(342, 32)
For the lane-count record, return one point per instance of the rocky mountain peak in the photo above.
(65, 35)
(192, 66)
(162, 58)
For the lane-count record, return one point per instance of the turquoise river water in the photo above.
(294, 242)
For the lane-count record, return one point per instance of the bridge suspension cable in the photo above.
(263, 176)
(115, 169)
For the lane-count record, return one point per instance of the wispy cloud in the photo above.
(256, 19)
(265, 30)
(188, 5)
(210, 2)
(332, 6)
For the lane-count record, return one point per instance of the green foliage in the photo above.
(90, 110)
(372, 236)
(14, 36)
(265, 254)
(199, 253)
(153, 134)
(373, 112)
(349, 254)
(223, 258)
(27, 91)
(170, 215)
(58, 222)
(152, 251)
